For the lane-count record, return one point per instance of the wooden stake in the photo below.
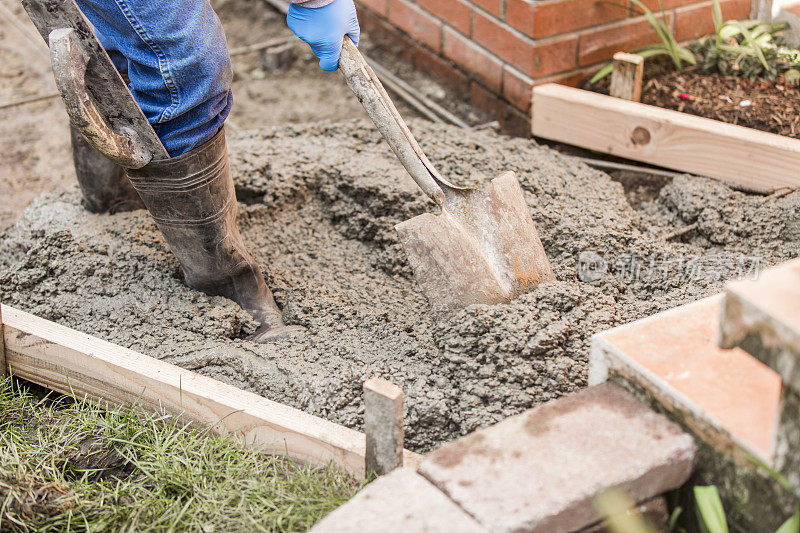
(626, 78)
(761, 10)
(383, 424)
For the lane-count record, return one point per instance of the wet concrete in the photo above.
(319, 206)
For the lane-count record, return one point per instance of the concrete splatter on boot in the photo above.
(103, 183)
(192, 199)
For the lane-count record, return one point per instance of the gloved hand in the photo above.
(324, 27)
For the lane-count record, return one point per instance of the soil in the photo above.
(773, 107)
(320, 205)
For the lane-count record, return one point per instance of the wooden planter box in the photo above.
(751, 159)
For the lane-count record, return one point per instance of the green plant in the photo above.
(70, 466)
(669, 45)
(711, 514)
(619, 514)
(615, 506)
(746, 48)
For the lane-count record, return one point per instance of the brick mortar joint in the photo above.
(550, 38)
(472, 42)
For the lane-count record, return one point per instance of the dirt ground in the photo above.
(35, 136)
(321, 202)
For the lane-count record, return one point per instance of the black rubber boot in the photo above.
(192, 199)
(103, 183)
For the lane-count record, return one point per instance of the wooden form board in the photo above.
(72, 362)
(752, 159)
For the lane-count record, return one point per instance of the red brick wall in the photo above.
(494, 51)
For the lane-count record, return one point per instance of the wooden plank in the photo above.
(626, 76)
(383, 425)
(69, 361)
(755, 160)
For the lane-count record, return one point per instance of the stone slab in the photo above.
(727, 397)
(538, 471)
(402, 501)
(763, 317)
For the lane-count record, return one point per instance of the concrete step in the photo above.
(540, 470)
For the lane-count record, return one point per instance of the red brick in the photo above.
(694, 21)
(572, 78)
(561, 16)
(514, 122)
(519, 15)
(485, 100)
(378, 6)
(416, 22)
(387, 35)
(541, 470)
(454, 12)
(554, 56)
(533, 59)
(492, 6)
(517, 88)
(654, 6)
(486, 68)
(599, 45)
(442, 70)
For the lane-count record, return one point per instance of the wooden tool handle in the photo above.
(370, 92)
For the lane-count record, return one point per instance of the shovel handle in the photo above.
(370, 92)
(69, 62)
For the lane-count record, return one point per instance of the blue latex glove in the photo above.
(324, 27)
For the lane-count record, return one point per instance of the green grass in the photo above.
(71, 466)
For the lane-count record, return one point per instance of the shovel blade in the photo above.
(483, 248)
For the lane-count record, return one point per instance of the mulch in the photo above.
(767, 106)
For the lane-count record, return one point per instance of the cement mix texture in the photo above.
(319, 203)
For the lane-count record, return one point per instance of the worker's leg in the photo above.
(103, 183)
(177, 61)
(180, 75)
(192, 199)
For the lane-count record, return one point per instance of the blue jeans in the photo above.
(175, 55)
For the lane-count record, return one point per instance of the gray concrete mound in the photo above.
(319, 203)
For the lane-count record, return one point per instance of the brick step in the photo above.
(402, 501)
(727, 397)
(536, 471)
(763, 318)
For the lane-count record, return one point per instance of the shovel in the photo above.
(483, 247)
